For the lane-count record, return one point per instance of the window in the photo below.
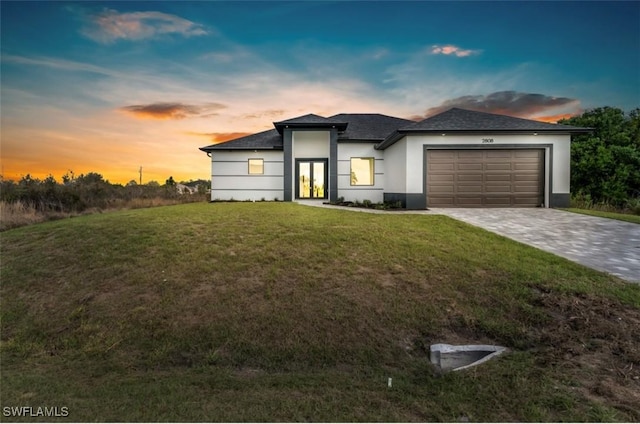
(256, 166)
(362, 171)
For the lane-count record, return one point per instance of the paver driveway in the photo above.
(603, 244)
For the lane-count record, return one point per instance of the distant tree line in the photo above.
(605, 165)
(77, 193)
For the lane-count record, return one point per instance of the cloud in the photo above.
(453, 50)
(172, 110)
(109, 26)
(523, 105)
(266, 114)
(61, 64)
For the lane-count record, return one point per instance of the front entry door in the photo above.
(311, 178)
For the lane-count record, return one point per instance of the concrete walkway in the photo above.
(603, 244)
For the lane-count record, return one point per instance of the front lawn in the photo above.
(282, 312)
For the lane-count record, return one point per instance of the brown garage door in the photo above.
(485, 178)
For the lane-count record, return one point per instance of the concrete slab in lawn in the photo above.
(600, 243)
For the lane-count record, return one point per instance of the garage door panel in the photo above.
(534, 154)
(443, 201)
(467, 200)
(468, 154)
(503, 201)
(533, 189)
(442, 178)
(497, 188)
(523, 166)
(489, 178)
(493, 166)
(469, 166)
(469, 188)
(439, 166)
(497, 177)
(443, 188)
(468, 177)
(442, 154)
(526, 177)
(491, 154)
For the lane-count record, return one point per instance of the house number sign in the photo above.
(487, 140)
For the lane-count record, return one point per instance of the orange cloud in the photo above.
(553, 119)
(172, 110)
(221, 137)
(452, 50)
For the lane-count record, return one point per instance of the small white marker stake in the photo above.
(389, 383)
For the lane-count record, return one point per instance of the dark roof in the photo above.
(469, 121)
(310, 120)
(369, 126)
(388, 129)
(266, 140)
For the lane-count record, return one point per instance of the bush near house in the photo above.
(605, 165)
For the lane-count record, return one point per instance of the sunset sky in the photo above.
(108, 87)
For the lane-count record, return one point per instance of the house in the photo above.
(458, 158)
(185, 189)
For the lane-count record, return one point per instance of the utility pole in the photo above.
(140, 175)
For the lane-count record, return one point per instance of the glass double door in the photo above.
(311, 178)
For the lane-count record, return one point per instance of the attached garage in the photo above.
(485, 178)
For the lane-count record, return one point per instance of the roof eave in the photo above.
(390, 140)
(501, 131)
(340, 126)
(213, 149)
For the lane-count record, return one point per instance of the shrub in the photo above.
(633, 205)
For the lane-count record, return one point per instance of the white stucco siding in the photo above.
(346, 151)
(310, 144)
(230, 178)
(557, 149)
(395, 158)
(562, 167)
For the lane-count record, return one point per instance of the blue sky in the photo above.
(111, 86)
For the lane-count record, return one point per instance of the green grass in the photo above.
(281, 312)
(611, 215)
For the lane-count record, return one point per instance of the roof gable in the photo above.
(310, 121)
(369, 126)
(468, 120)
(306, 119)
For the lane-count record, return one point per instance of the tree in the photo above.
(605, 165)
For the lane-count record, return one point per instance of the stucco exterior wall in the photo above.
(346, 151)
(310, 144)
(395, 158)
(230, 178)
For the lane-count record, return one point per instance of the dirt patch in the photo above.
(598, 339)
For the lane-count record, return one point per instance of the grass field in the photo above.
(611, 215)
(281, 312)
